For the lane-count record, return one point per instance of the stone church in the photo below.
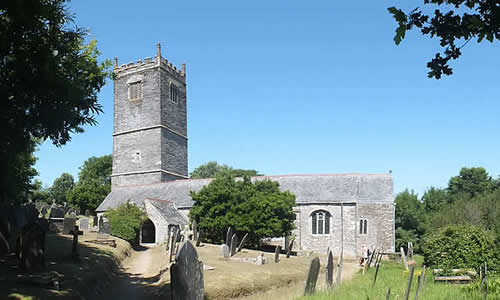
(150, 168)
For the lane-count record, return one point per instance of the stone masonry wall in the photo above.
(137, 151)
(173, 115)
(174, 153)
(380, 233)
(321, 242)
(161, 225)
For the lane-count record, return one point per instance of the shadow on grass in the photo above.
(95, 273)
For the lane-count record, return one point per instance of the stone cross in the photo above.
(186, 274)
(242, 243)
(234, 241)
(289, 250)
(277, 254)
(312, 277)
(229, 234)
(329, 270)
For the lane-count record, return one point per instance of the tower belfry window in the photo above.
(135, 90)
(174, 93)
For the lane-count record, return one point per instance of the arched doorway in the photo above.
(148, 232)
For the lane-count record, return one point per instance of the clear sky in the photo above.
(298, 87)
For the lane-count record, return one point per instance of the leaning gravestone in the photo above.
(198, 239)
(84, 224)
(290, 247)
(403, 257)
(243, 240)
(234, 241)
(187, 274)
(329, 270)
(229, 234)
(195, 230)
(95, 222)
(312, 277)
(68, 225)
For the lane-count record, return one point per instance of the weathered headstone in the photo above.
(339, 268)
(312, 277)
(84, 224)
(376, 273)
(261, 259)
(408, 286)
(56, 211)
(290, 247)
(172, 243)
(403, 257)
(68, 225)
(329, 270)
(187, 274)
(101, 220)
(198, 238)
(95, 222)
(43, 212)
(234, 241)
(410, 251)
(195, 230)
(229, 234)
(242, 243)
(104, 231)
(74, 251)
(419, 283)
(225, 250)
(87, 213)
(277, 254)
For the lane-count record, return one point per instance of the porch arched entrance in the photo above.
(148, 232)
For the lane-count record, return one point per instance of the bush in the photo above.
(259, 209)
(460, 246)
(126, 221)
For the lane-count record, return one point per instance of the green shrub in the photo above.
(459, 246)
(126, 221)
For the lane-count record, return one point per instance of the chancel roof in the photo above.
(308, 189)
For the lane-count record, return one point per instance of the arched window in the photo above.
(363, 225)
(320, 222)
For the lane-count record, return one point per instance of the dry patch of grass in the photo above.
(80, 277)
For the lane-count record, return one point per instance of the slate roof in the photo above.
(324, 188)
(168, 211)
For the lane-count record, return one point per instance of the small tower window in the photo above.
(320, 222)
(363, 225)
(174, 93)
(135, 91)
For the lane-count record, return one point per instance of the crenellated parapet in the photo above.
(150, 62)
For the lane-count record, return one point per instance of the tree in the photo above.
(259, 209)
(39, 193)
(409, 219)
(61, 187)
(472, 181)
(471, 19)
(434, 199)
(126, 221)
(212, 169)
(94, 183)
(49, 79)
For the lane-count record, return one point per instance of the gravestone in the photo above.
(95, 222)
(198, 239)
(101, 220)
(84, 224)
(172, 243)
(243, 240)
(187, 274)
(68, 225)
(56, 211)
(229, 234)
(261, 259)
(290, 247)
(72, 214)
(403, 257)
(277, 254)
(234, 241)
(340, 263)
(74, 251)
(104, 231)
(312, 277)
(43, 212)
(329, 270)
(224, 249)
(87, 213)
(195, 230)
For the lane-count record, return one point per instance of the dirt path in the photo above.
(140, 273)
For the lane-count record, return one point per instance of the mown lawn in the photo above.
(393, 275)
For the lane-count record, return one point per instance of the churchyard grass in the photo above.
(393, 275)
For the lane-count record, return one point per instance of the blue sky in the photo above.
(297, 87)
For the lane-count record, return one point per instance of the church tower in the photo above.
(150, 122)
